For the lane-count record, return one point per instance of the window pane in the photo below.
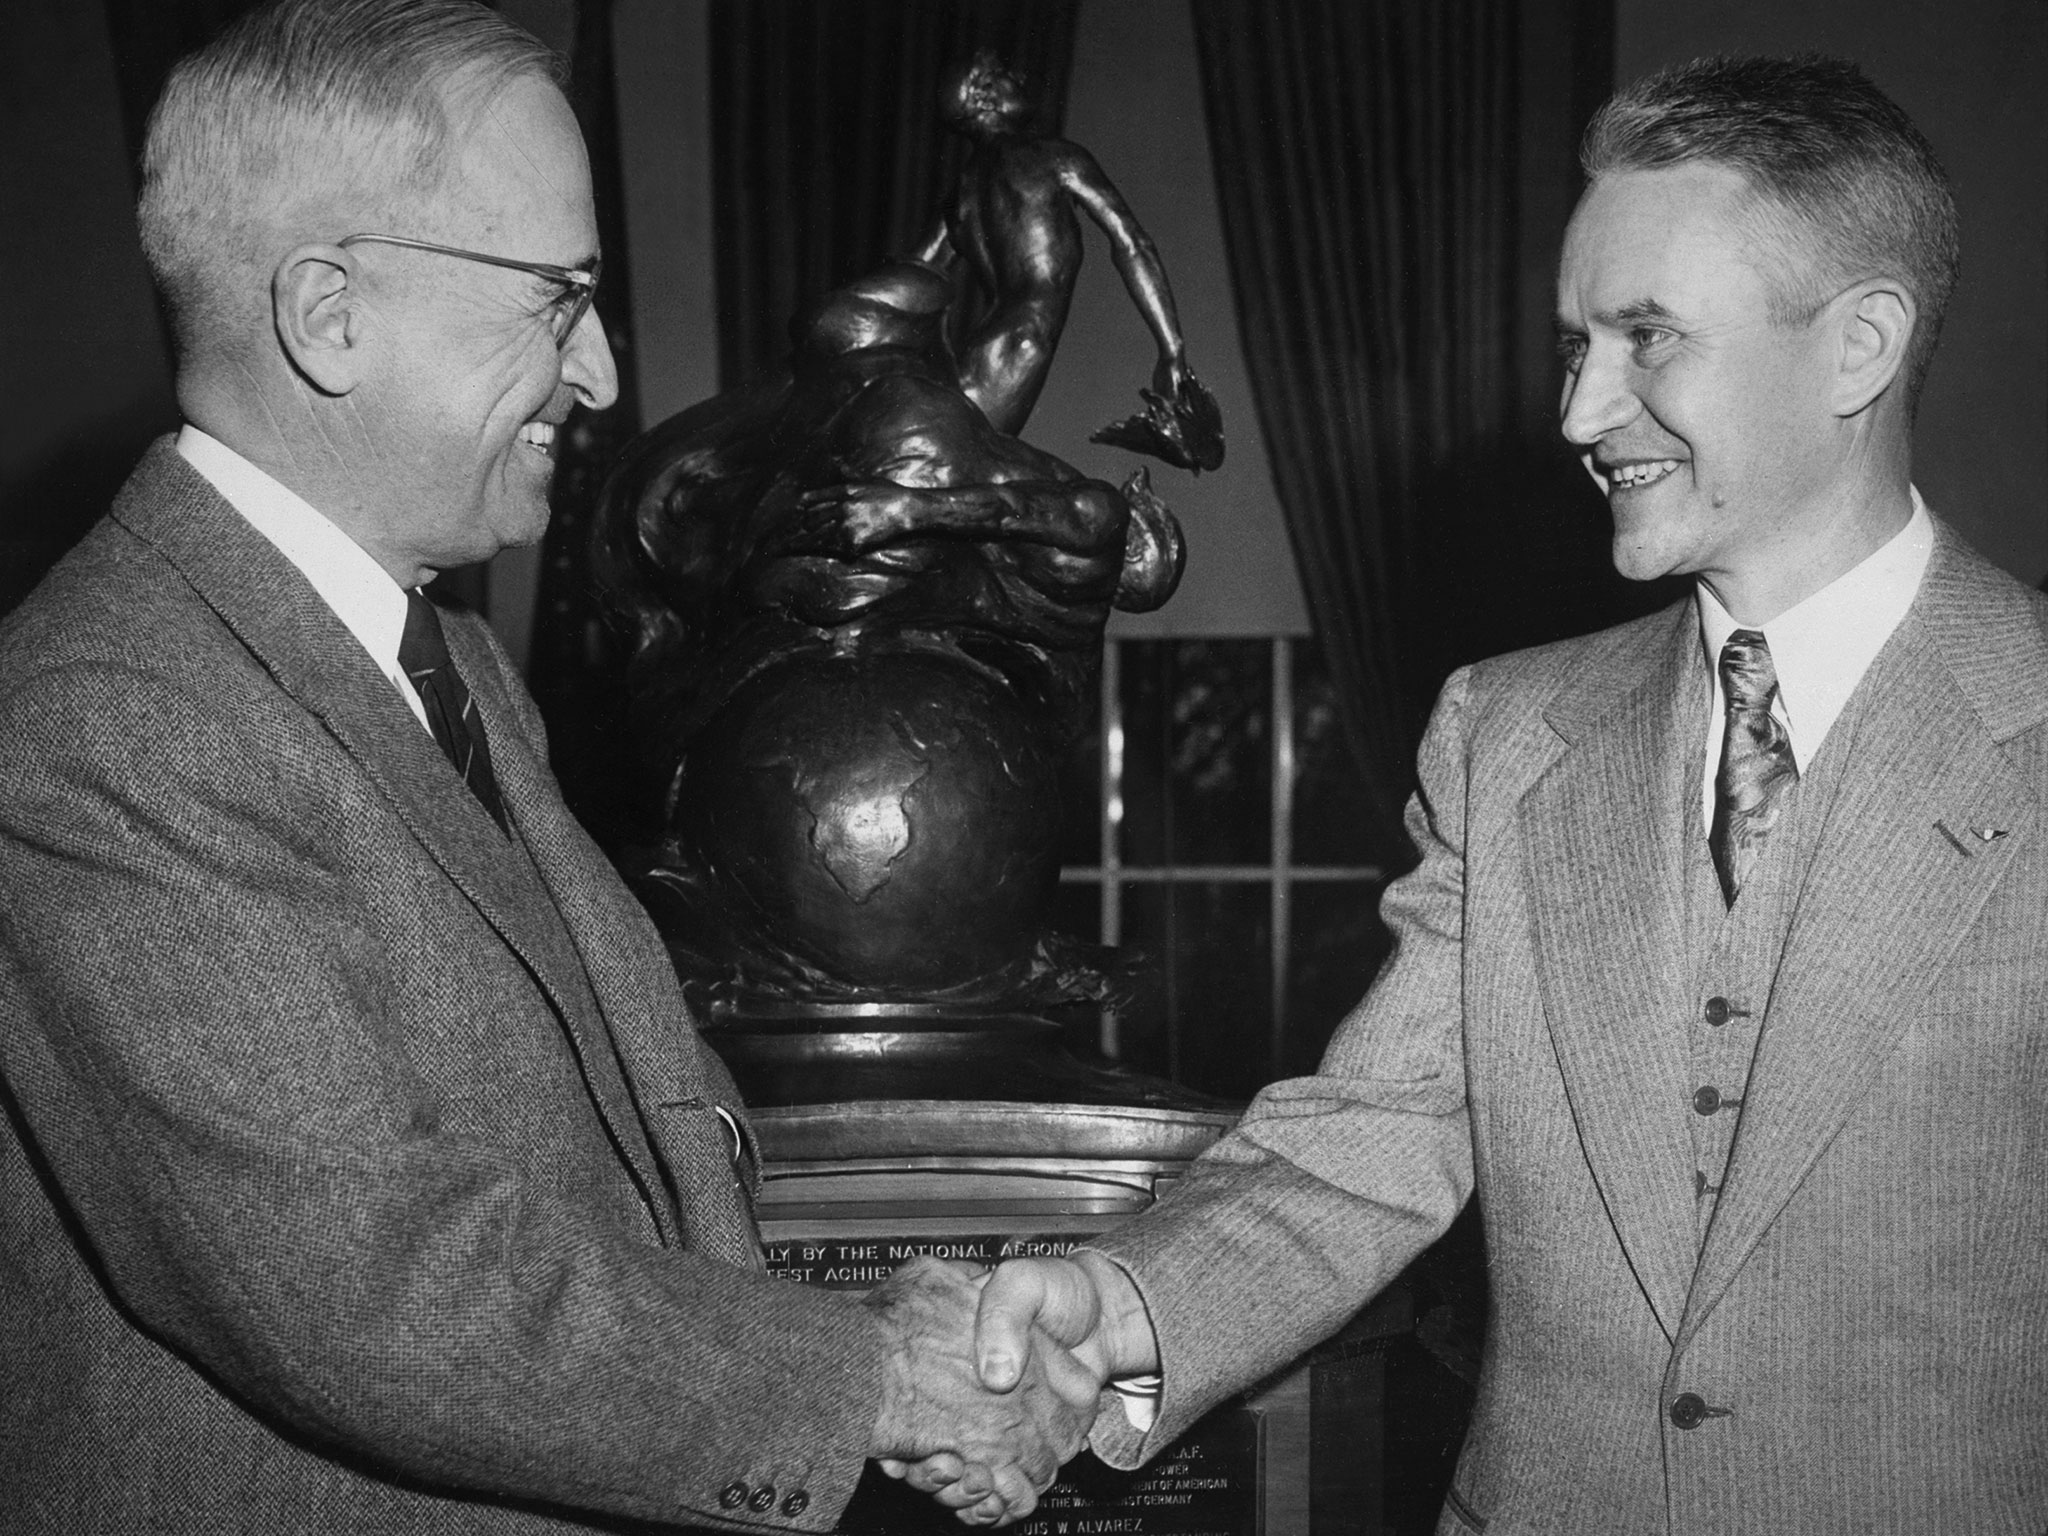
(1329, 820)
(1338, 944)
(1080, 835)
(1204, 1019)
(1077, 911)
(1197, 752)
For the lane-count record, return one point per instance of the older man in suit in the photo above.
(360, 1168)
(1724, 973)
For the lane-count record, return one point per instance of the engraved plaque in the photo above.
(855, 1190)
(1207, 1485)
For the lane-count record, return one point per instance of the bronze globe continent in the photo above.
(888, 816)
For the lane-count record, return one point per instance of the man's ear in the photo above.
(316, 305)
(1875, 323)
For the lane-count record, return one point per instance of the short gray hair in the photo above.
(1843, 185)
(300, 101)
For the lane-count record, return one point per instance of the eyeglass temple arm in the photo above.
(573, 275)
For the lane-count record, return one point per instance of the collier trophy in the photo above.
(868, 622)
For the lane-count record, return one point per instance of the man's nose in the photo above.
(587, 365)
(1597, 399)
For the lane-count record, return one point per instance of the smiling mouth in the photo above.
(1633, 477)
(539, 436)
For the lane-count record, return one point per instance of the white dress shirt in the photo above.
(358, 589)
(1820, 646)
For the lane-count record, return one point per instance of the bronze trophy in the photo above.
(868, 628)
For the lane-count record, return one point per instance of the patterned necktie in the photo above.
(1757, 767)
(451, 712)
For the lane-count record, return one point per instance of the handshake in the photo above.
(993, 1377)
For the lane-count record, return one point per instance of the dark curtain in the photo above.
(576, 666)
(1369, 157)
(149, 36)
(828, 155)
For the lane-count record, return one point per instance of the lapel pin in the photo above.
(1983, 836)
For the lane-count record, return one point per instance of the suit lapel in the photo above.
(1601, 834)
(311, 655)
(677, 1084)
(1890, 893)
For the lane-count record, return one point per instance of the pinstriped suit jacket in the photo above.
(1870, 1303)
(359, 1171)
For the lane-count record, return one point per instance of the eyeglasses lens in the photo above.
(569, 312)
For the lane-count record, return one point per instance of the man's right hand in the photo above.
(1086, 1303)
(1073, 1322)
(986, 1455)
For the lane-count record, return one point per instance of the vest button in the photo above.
(1707, 1101)
(1717, 1011)
(1688, 1410)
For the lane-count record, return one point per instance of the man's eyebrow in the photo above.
(1632, 313)
(1640, 309)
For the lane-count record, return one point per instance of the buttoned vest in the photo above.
(1734, 953)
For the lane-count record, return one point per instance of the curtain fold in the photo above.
(576, 667)
(828, 155)
(576, 664)
(149, 36)
(1366, 160)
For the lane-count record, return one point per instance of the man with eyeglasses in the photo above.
(360, 1169)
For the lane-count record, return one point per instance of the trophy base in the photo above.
(836, 1053)
(855, 1189)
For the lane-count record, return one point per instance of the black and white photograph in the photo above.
(1184, 767)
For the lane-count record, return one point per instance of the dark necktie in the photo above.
(451, 712)
(1757, 768)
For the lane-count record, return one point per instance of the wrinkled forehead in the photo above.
(518, 173)
(1657, 236)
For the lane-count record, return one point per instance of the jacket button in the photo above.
(1717, 1010)
(1688, 1410)
(733, 1495)
(763, 1499)
(796, 1503)
(1706, 1101)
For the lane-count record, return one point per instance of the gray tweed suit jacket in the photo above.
(1870, 1302)
(360, 1169)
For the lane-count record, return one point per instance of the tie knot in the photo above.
(1747, 675)
(422, 649)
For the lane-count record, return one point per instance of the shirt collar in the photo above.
(1822, 645)
(358, 589)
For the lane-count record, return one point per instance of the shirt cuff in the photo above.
(1139, 1396)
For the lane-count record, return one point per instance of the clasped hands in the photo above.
(993, 1379)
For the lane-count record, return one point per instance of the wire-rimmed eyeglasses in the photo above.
(579, 283)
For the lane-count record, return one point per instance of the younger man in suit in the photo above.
(1724, 974)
